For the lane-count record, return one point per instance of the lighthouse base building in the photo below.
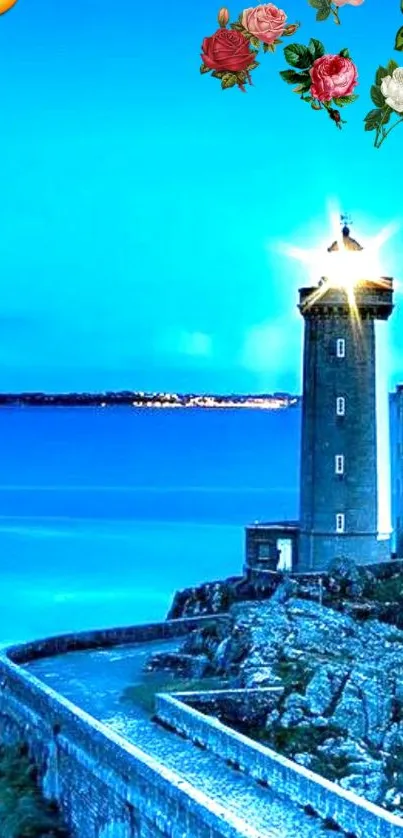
(338, 458)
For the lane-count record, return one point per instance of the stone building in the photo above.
(338, 458)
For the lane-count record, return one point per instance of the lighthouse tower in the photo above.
(338, 470)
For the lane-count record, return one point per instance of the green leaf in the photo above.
(306, 84)
(393, 65)
(291, 76)
(399, 40)
(254, 41)
(305, 87)
(204, 69)
(316, 48)
(386, 114)
(323, 13)
(344, 53)
(317, 4)
(242, 76)
(228, 80)
(340, 101)
(218, 74)
(253, 65)
(373, 119)
(401, 6)
(377, 97)
(376, 113)
(298, 56)
(380, 74)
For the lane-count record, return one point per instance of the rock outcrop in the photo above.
(210, 598)
(341, 708)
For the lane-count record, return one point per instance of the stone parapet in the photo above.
(352, 813)
(103, 783)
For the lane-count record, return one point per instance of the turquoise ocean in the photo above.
(104, 513)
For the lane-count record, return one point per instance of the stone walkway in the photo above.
(95, 681)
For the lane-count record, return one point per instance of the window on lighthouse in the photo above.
(340, 406)
(339, 464)
(340, 522)
(340, 348)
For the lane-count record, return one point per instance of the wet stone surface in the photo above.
(99, 682)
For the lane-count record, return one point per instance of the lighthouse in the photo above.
(338, 510)
(338, 461)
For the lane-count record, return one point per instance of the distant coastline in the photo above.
(126, 398)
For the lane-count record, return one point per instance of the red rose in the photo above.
(227, 50)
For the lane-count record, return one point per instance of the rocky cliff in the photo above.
(211, 598)
(340, 711)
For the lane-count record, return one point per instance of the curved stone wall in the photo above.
(105, 638)
(108, 788)
(102, 782)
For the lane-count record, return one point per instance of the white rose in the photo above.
(392, 90)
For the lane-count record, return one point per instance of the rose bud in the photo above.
(223, 17)
(291, 29)
(335, 116)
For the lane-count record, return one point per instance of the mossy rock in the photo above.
(295, 675)
(24, 813)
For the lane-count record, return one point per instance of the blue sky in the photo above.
(142, 208)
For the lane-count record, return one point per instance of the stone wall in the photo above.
(105, 786)
(242, 704)
(352, 813)
(105, 638)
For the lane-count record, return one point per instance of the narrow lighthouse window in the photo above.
(339, 464)
(339, 522)
(341, 348)
(340, 406)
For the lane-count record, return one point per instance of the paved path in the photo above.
(96, 680)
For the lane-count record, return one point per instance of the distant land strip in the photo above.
(274, 401)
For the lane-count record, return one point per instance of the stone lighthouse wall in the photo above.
(396, 438)
(339, 364)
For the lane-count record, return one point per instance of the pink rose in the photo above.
(332, 76)
(265, 22)
(351, 2)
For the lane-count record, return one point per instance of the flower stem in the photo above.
(335, 13)
(378, 142)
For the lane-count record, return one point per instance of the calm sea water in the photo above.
(105, 513)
